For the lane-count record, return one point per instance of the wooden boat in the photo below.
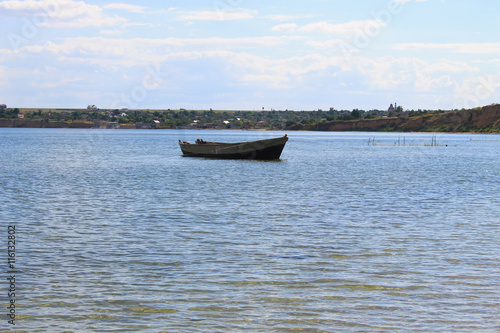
(268, 149)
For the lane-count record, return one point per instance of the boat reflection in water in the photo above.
(268, 149)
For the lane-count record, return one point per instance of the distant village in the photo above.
(202, 119)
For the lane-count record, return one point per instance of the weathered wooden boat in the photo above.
(268, 149)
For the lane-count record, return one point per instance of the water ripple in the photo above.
(119, 233)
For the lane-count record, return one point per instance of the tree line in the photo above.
(267, 119)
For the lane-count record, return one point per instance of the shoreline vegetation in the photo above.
(478, 120)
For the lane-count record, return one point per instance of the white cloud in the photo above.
(391, 73)
(472, 48)
(136, 9)
(383, 73)
(23, 7)
(477, 91)
(289, 73)
(60, 13)
(346, 29)
(126, 7)
(58, 83)
(218, 15)
(449, 66)
(106, 51)
(284, 17)
(287, 27)
(327, 44)
(4, 54)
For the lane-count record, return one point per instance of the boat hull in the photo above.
(269, 149)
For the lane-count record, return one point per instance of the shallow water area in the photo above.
(117, 232)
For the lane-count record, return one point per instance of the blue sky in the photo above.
(249, 55)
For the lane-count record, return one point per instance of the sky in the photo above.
(250, 54)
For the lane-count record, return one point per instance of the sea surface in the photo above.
(348, 232)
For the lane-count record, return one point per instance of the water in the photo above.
(116, 232)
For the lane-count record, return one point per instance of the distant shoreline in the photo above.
(478, 120)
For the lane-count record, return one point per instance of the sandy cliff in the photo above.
(485, 119)
(44, 124)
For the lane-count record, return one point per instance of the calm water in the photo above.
(116, 232)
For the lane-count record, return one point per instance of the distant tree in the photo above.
(75, 115)
(347, 116)
(181, 122)
(12, 113)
